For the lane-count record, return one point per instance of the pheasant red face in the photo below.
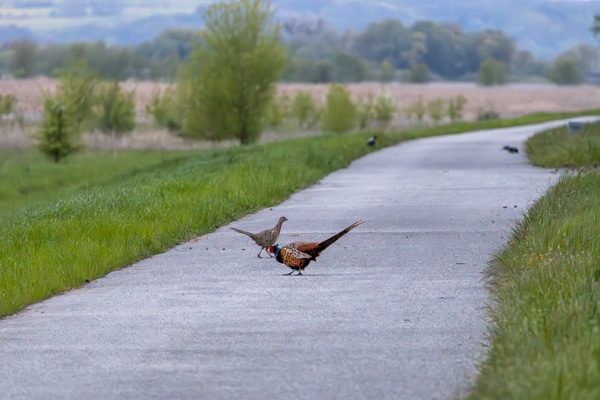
(271, 249)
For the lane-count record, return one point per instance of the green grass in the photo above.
(545, 290)
(84, 234)
(27, 177)
(555, 148)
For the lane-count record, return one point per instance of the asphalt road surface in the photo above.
(393, 310)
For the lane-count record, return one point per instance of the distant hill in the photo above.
(545, 27)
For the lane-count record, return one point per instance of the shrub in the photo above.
(365, 110)
(455, 106)
(418, 73)
(58, 134)
(340, 112)
(387, 71)
(435, 109)
(492, 72)
(384, 110)
(7, 104)
(304, 109)
(163, 108)
(117, 114)
(565, 71)
(417, 109)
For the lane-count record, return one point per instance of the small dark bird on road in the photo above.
(266, 238)
(371, 141)
(510, 149)
(298, 255)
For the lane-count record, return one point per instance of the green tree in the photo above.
(436, 109)
(339, 115)
(304, 109)
(387, 72)
(24, 62)
(117, 109)
(77, 84)
(234, 71)
(163, 107)
(418, 73)
(492, 72)
(455, 107)
(58, 136)
(565, 71)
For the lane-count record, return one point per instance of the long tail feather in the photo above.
(328, 242)
(244, 232)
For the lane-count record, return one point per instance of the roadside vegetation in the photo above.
(82, 234)
(545, 284)
(557, 147)
(28, 178)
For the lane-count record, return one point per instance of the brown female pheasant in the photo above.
(265, 238)
(298, 255)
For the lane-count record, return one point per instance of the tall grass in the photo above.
(82, 236)
(26, 177)
(89, 232)
(545, 288)
(557, 148)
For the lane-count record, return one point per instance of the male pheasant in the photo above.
(298, 255)
(265, 238)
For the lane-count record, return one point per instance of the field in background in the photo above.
(507, 101)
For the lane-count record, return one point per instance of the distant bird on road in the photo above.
(371, 141)
(266, 238)
(298, 255)
(510, 149)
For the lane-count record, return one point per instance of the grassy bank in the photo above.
(28, 177)
(89, 232)
(557, 148)
(545, 285)
(545, 331)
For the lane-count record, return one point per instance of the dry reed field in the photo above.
(507, 101)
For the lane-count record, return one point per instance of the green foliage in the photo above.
(365, 109)
(163, 108)
(417, 110)
(349, 68)
(555, 148)
(82, 235)
(27, 178)
(58, 135)
(117, 109)
(24, 62)
(274, 114)
(304, 109)
(234, 71)
(387, 72)
(384, 110)
(79, 90)
(564, 71)
(545, 291)
(7, 103)
(455, 107)
(436, 109)
(339, 115)
(418, 73)
(492, 72)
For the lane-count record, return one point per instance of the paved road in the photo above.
(394, 310)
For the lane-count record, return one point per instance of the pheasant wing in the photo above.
(294, 258)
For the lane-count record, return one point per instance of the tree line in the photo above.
(315, 53)
(225, 86)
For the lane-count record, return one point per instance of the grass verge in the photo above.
(545, 289)
(555, 148)
(27, 177)
(90, 232)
